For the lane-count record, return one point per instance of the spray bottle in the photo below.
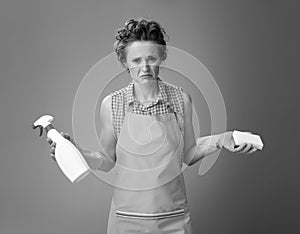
(67, 156)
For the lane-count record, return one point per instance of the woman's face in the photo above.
(143, 60)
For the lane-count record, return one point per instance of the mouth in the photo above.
(145, 76)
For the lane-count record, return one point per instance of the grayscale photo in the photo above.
(146, 116)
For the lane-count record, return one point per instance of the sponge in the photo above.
(246, 137)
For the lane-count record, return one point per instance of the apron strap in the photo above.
(171, 110)
(130, 108)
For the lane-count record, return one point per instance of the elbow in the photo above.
(107, 167)
(189, 162)
(102, 162)
(191, 155)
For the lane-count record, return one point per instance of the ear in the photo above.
(124, 64)
(161, 65)
(164, 56)
(122, 60)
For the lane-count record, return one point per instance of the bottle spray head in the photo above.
(42, 122)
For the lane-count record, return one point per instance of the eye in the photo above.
(137, 60)
(152, 59)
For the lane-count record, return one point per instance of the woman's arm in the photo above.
(195, 151)
(105, 158)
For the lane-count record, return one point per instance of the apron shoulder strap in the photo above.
(175, 99)
(118, 111)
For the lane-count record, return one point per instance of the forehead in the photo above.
(142, 49)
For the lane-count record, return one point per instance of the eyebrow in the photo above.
(150, 56)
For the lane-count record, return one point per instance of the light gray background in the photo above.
(250, 47)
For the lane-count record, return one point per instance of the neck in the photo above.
(147, 91)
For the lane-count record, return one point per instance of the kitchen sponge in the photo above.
(246, 137)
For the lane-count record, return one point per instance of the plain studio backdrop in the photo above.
(250, 47)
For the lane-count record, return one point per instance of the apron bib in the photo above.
(149, 194)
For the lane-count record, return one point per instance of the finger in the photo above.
(65, 135)
(49, 140)
(247, 148)
(240, 148)
(53, 157)
(252, 150)
(68, 137)
(53, 144)
(52, 150)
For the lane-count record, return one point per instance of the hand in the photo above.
(53, 144)
(226, 140)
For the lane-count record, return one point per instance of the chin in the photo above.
(145, 80)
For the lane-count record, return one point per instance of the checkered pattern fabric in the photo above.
(169, 96)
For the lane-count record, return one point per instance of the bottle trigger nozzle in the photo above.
(42, 122)
(40, 127)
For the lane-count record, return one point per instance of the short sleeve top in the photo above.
(169, 96)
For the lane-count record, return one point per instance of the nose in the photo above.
(145, 66)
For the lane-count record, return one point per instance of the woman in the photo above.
(149, 196)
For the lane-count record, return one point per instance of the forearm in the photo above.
(204, 146)
(97, 160)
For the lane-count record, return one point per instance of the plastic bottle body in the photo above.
(68, 157)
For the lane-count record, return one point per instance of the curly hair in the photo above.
(139, 30)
